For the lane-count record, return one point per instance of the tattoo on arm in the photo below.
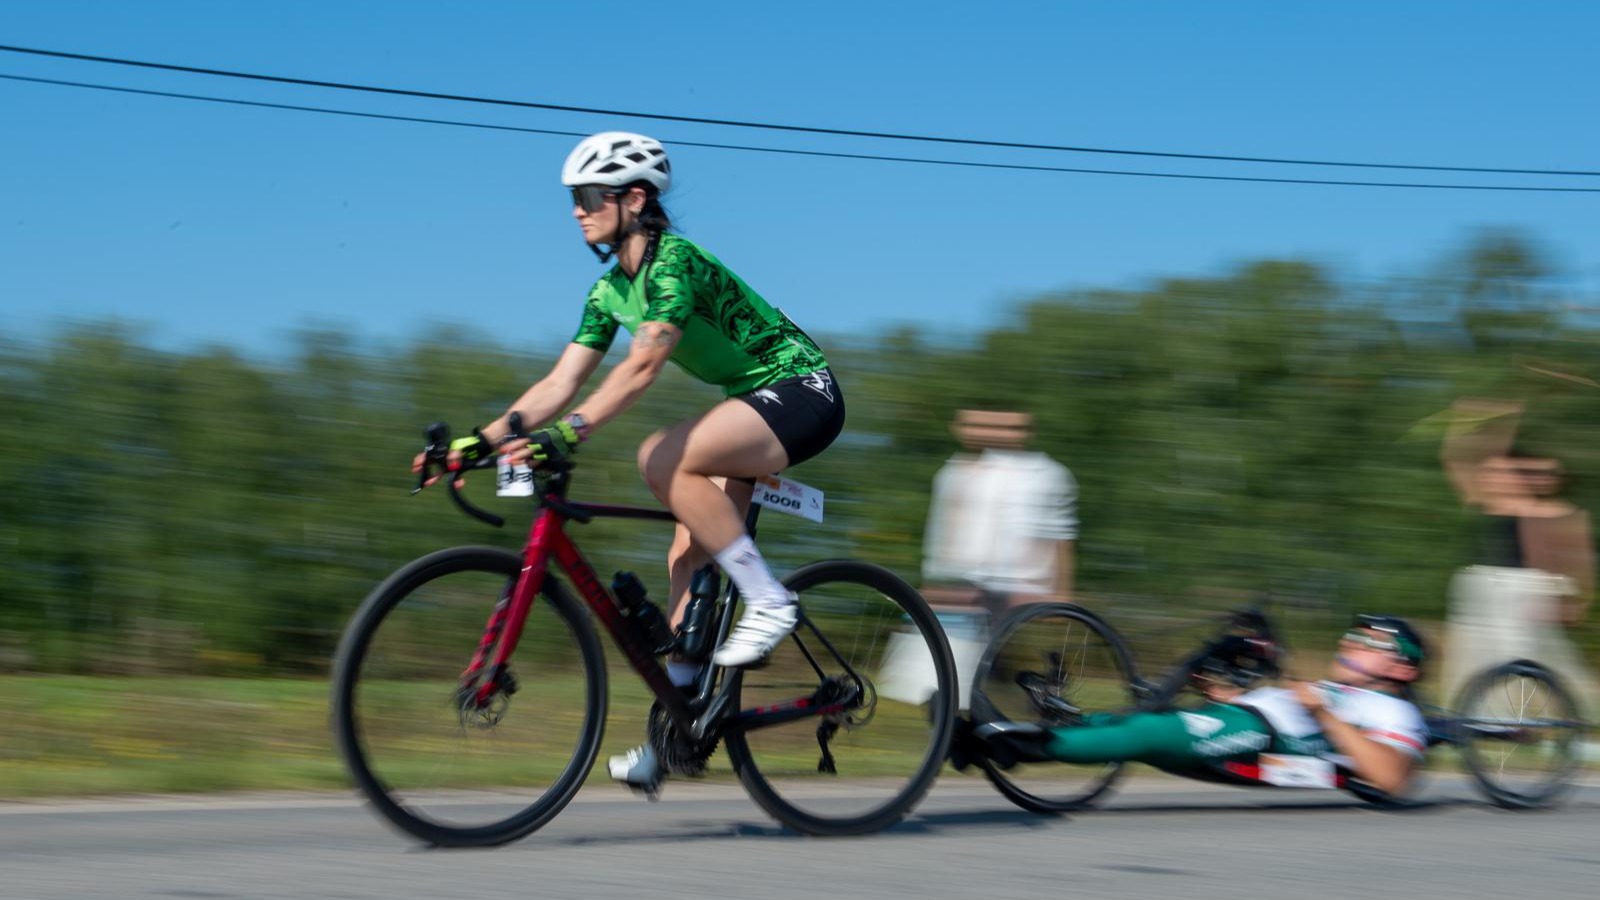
(654, 335)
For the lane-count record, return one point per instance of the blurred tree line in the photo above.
(1272, 430)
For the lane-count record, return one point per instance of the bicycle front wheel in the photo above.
(868, 634)
(1520, 733)
(435, 764)
(1052, 663)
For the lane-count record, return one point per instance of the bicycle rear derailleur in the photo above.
(858, 702)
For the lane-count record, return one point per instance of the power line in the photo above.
(793, 152)
(770, 126)
(297, 108)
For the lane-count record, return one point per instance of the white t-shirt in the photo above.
(1384, 718)
(993, 520)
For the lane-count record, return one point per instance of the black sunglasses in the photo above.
(592, 197)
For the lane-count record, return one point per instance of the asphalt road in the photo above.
(1155, 838)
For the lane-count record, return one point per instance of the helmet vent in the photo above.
(617, 159)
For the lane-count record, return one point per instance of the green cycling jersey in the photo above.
(731, 337)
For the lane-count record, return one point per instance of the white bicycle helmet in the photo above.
(615, 159)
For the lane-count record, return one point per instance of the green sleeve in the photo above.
(671, 286)
(598, 327)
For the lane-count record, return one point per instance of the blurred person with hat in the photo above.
(1002, 530)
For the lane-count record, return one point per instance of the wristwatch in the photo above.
(580, 425)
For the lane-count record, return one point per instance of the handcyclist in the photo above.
(781, 404)
(1357, 718)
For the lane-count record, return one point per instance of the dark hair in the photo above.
(1523, 450)
(1564, 480)
(654, 216)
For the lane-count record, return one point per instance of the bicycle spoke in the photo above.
(861, 766)
(1519, 735)
(437, 764)
(1050, 665)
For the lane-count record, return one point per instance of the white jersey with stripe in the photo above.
(1384, 718)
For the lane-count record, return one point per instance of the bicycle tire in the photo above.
(1008, 782)
(353, 651)
(1380, 799)
(1482, 768)
(817, 580)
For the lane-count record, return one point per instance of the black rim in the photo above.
(938, 716)
(1499, 721)
(353, 653)
(994, 673)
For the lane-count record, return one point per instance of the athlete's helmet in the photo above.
(616, 159)
(1408, 644)
(1241, 660)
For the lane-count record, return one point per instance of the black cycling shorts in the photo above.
(805, 412)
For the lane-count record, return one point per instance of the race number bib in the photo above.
(788, 496)
(513, 480)
(1285, 770)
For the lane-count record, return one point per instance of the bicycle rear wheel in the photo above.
(440, 768)
(1049, 663)
(1521, 734)
(868, 634)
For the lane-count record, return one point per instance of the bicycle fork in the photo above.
(477, 688)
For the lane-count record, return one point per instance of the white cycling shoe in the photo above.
(759, 631)
(639, 769)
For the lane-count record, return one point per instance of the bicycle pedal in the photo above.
(964, 749)
(1008, 743)
(651, 793)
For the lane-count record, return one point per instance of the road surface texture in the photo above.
(1155, 838)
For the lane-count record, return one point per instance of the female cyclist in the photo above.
(781, 407)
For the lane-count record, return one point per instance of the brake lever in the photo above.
(438, 446)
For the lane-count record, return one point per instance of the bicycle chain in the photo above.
(678, 754)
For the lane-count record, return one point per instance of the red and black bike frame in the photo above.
(486, 674)
(547, 539)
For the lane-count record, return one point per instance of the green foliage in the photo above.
(201, 512)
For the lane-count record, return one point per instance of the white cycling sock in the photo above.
(743, 563)
(682, 674)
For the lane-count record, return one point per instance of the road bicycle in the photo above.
(463, 733)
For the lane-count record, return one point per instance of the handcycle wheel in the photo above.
(466, 777)
(1043, 662)
(887, 748)
(1520, 733)
(1384, 800)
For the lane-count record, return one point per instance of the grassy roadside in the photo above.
(65, 735)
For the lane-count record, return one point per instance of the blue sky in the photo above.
(232, 225)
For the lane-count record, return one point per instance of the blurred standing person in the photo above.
(1002, 530)
(1535, 567)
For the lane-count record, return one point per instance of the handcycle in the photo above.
(454, 747)
(1516, 728)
